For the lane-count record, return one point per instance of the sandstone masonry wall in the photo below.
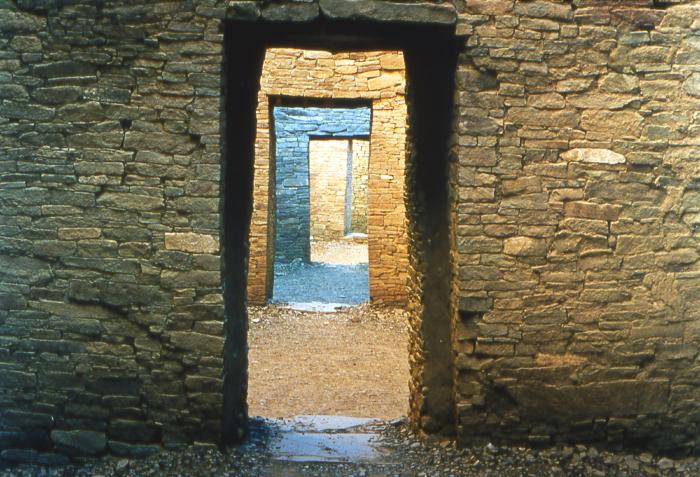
(577, 220)
(327, 181)
(111, 336)
(360, 182)
(333, 190)
(579, 140)
(375, 76)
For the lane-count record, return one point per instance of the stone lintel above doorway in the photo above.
(381, 11)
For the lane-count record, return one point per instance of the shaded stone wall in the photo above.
(375, 76)
(111, 310)
(293, 127)
(576, 222)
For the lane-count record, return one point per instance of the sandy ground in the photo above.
(342, 252)
(352, 363)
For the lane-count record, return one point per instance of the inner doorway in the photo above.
(332, 152)
(430, 56)
(320, 259)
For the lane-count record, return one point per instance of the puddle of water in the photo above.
(325, 447)
(327, 439)
(330, 423)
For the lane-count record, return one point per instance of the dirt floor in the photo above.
(339, 251)
(352, 363)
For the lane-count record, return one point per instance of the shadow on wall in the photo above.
(293, 128)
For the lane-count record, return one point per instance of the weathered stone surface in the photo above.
(591, 401)
(15, 110)
(594, 156)
(293, 11)
(543, 9)
(26, 44)
(57, 94)
(620, 83)
(136, 451)
(189, 279)
(75, 233)
(243, 10)
(79, 442)
(12, 91)
(165, 143)
(524, 246)
(38, 440)
(535, 117)
(573, 233)
(60, 69)
(191, 242)
(19, 22)
(212, 345)
(590, 210)
(612, 123)
(125, 200)
(692, 85)
(24, 270)
(386, 11)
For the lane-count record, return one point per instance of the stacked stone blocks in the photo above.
(576, 221)
(375, 76)
(294, 203)
(338, 192)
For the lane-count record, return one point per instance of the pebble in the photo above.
(253, 459)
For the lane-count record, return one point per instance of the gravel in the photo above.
(412, 457)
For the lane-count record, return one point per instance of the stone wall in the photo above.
(360, 183)
(338, 199)
(293, 129)
(111, 316)
(579, 140)
(576, 221)
(328, 183)
(375, 76)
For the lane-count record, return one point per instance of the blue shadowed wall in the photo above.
(293, 127)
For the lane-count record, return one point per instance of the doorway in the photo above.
(430, 55)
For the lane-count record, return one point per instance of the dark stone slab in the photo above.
(80, 442)
(590, 401)
(24, 456)
(137, 451)
(244, 11)
(24, 270)
(15, 110)
(385, 11)
(38, 440)
(61, 69)
(298, 11)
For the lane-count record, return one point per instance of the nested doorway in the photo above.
(430, 56)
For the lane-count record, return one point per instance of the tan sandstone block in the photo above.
(74, 233)
(595, 156)
(191, 242)
(589, 210)
(384, 81)
(525, 246)
(392, 61)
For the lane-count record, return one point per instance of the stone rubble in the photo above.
(412, 458)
